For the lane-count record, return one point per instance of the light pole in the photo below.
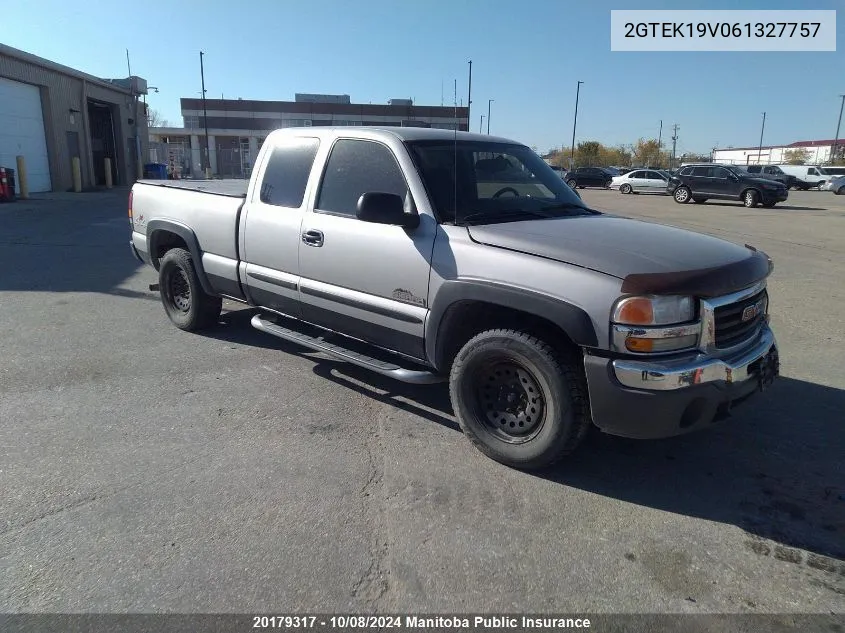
(574, 123)
(481, 124)
(469, 95)
(490, 101)
(836, 139)
(760, 147)
(146, 111)
(660, 145)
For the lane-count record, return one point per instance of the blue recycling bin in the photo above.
(155, 171)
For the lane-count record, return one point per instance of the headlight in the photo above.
(655, 324)
(654, 310)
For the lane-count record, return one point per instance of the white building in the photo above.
(819, 153)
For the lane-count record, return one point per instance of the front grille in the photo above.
(731, 330)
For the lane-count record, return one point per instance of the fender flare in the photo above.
(156, 227)
(570, 318)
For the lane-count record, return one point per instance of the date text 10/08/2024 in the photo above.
(415, 622)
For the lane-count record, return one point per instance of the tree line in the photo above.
(643, 153)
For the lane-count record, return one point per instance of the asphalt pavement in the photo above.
(143, 468)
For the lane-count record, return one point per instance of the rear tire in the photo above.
(185, 302)
(626, 188)
(572, 183)
(840, 191)
(518, 400)
(682, 194)
(750, 198)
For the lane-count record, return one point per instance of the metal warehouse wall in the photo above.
(61, 93)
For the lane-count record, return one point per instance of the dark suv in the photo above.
(588, 177)
(700, 182)
(771, 172)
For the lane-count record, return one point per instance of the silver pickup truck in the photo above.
(429, 255)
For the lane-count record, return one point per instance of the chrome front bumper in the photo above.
(666, 375)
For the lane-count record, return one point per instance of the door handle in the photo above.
(313, 237)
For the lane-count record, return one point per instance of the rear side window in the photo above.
(354, 168)
(755, 169)
(701, 171)
(287, 172)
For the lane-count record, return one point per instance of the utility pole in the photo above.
(574, 123)
(760, 147)
(660, 144)
(469, 93)
(481, 125)
(836, 139)
(205, 163)
(675, 127)
(489, 101)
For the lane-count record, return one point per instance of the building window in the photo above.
(295, 123)
(192, 122)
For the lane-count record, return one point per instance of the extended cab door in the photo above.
(363, 279)
(270, 231)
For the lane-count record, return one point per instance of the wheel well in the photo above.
(465, 319)
(162, 242)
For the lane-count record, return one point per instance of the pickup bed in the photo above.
(434, 256)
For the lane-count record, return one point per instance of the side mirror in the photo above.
(385, 208)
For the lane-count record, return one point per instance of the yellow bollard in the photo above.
(108, 173)
(77, 174)
(22, 182)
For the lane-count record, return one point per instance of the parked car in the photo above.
(641, 181)
(806, 176)
(771, 172)
(588, 177)
(836, 185)
(388, 249)
(727, 182)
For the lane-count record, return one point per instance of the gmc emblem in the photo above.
(752, 311)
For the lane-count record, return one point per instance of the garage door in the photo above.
(22, 132)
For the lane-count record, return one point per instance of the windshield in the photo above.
(499, 180)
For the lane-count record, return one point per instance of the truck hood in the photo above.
(650, 258)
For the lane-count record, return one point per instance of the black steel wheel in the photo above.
(509, 399)
(518, 399)
(187, 305)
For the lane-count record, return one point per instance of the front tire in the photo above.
(840, 191)
(626, 188)
(750, 199)
(518, 400)
(682, 195)
(572, 183)
(185, 302)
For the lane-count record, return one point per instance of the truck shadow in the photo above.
(773, 470)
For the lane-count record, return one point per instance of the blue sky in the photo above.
(526, 55)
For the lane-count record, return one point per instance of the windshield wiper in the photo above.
(562, 206)
(504, 214)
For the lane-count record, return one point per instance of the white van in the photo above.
(806, 176)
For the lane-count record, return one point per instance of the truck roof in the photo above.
(403, 133)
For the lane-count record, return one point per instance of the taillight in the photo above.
(131, 223)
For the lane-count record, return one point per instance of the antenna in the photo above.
(455, 162)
